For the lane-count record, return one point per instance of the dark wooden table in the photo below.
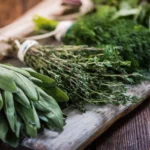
(129, 133)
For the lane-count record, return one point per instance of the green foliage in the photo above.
(117, 3)
(120, 25)
(133, 38)
(44, 24)
(87, 74)
(21, 100)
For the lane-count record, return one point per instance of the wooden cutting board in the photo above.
(83, 128)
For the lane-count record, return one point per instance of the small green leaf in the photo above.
(43, 117)
(29, 115)
(3, 127)
(22, 99)
(1, 101)
(42, 23)
(31, 130)
(54, 109)
(6, 80)
(18, 125)
(26, 86)
(9, 109)
(47, 82)
(57, 94)
(21, 71)
(41, 106)
(36, 118)
(36, 81)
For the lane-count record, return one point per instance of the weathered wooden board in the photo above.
(83, 128)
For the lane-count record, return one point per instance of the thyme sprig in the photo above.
(87, 74)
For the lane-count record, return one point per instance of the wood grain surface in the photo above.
(13, 9)
(130, 133)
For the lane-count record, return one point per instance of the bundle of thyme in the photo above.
(87, 74)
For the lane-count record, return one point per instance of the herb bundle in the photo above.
(132, 37)
(25, 108)
(119, 23)
(87, 74)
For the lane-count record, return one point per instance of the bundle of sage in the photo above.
(25, 108)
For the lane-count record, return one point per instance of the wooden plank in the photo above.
(83, 128)
(19, 7)
(132, 132)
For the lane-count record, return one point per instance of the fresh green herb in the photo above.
(88, 75)
(21, 102)
(42, 24)
(133, 38)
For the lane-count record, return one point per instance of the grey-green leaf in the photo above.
(22, 98)
(41, 104)
(21, 71)
(36, 118)
(47, 82)
(57, 94)
(28, 115)
(31, 130)
(54, 109)
(6, 80)
(18, 125)
(26, 86)
(9, 109)
(1, 101)
(4, 127)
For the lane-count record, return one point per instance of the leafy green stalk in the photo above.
(87, 74)
(19, 96)
(131, 38)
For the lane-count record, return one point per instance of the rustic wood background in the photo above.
(130, 133)
(12, 9)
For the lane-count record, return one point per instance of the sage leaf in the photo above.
(28, 115)
(1, 101)
(18, 125)
(31, 130)
(9, 109)
(22, 98)
(43, 118)
(27, 86)
(6, 80)
(15, 69)
(47, 81)
(3, 127)
(41, 104)
(57, 94)
(36, 118)
(54, 109)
